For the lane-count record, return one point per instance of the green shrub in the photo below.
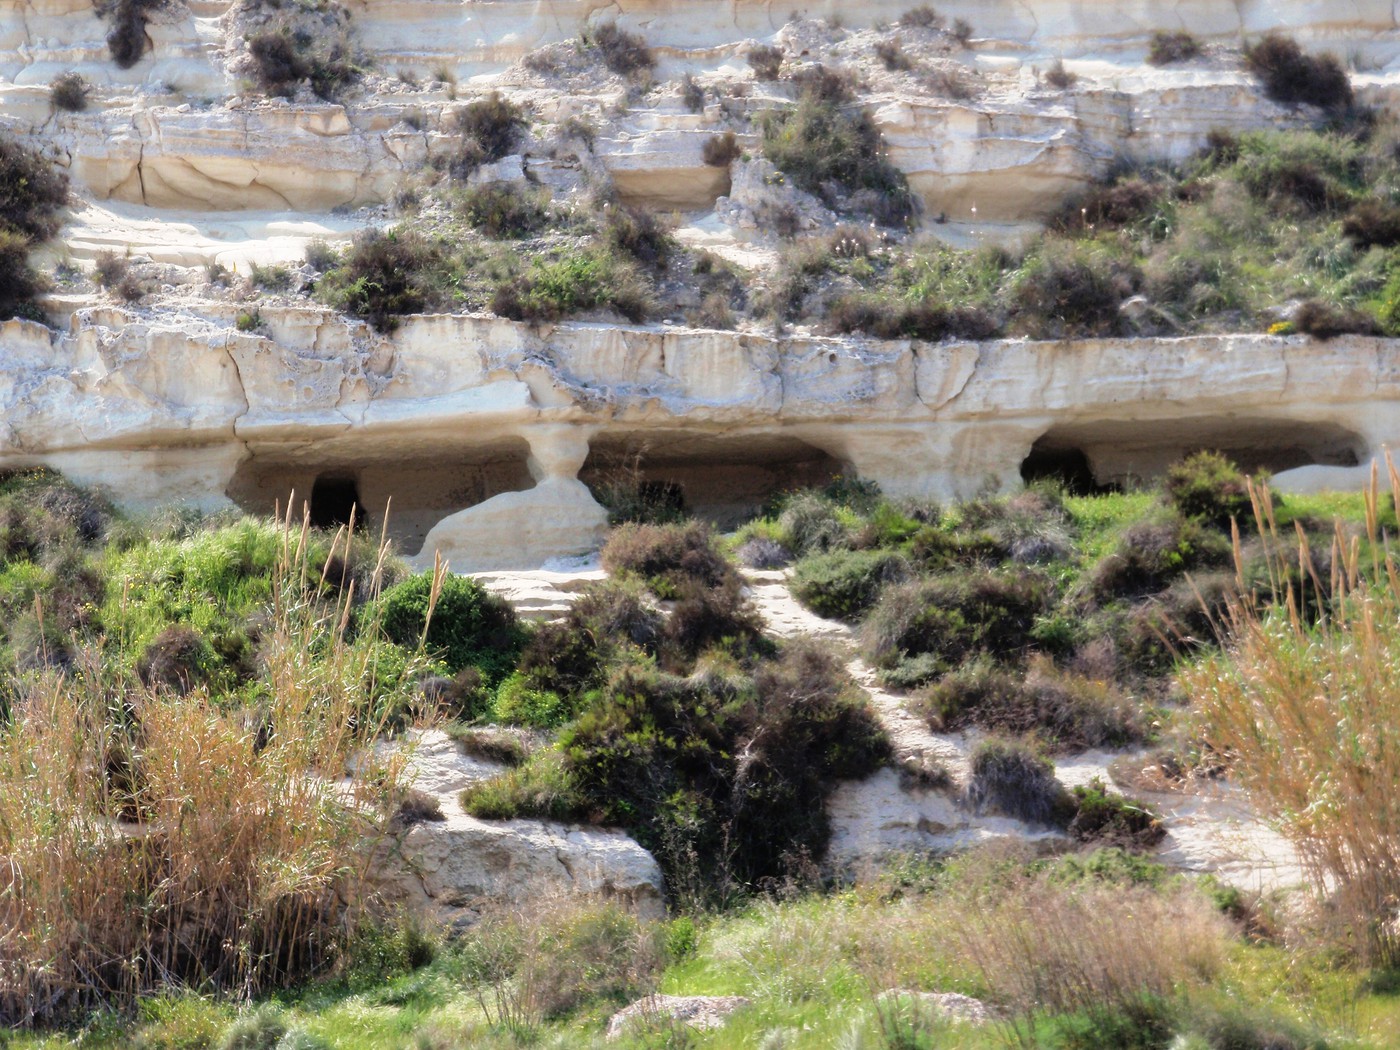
(592, 279)
(955, 615)
(544, 788)
(1152, 552)
(810, 522)
(470, 626)
(1106, 818)
(1167, 48)
(1209, 487)
(502, 211)
(843, 584)
(637, 233)
(518, 702)
(1067, 710)
(69, 92)
(723, 777)
(1291, 76)
(821, 143)
(383, 277)
(624, 53)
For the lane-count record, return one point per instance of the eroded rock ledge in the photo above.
(483, 431)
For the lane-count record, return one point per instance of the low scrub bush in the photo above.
(892, 57)
(810, 522)
(1107, 819)
(1324, 320)
(489, 127)
(1209, 487)
(383, 277)
(766, 61)
(1167, 48)
(1057, 76)
(923, 16)
(821, 143)
(505, 212)
(69, 92)
(177, 659)
(761, 552)
(1064, 290)
(878, 316)
(1069, 711)
(721, 150)
(127, 39)
(708, 617)
(1010, 778)
(637, 234)
(543, 788)
(1373, 223)
(624, 53)
(724, 776)
(19, 283)
(666, 556)
(1118, 204)
(843, 584)
(32, 191)
(1152, 552)
(1291, 76)
(593, 279)
(493, 745)
(955, 615)
(455, 618)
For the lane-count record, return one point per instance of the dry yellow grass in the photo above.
(1306, 701)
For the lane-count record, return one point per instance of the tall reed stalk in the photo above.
(1306, 701)
(150, 839)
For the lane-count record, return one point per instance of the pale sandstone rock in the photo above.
(701, 1012)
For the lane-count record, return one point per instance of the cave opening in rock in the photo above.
(1091, 456)
(420, 480)
(722, 478)
(335, 501)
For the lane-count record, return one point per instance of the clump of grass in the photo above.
(1295, 703)
(505, 212)
(1011, 778)
(1057, 76)
(384, 276)
(1323, 320)
(1291, 76)
(1167, 48)
(923, 16)
(721, 150)
(127, 39)
(843, 584)
(592, 279)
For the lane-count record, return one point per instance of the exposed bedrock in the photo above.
(480, 433)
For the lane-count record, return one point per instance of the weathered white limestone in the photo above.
(187, 406)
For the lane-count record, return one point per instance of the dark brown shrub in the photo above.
(1167, 48)
(505, 211)
(278, 62)
(1291, 76)
(177, 659)
(924, 16)
(1120, 204)
(900, 319)
(624, 53)
(1011, 779)
(639, 234)
(721, 150)
(490, 128)
(130, 289)
(19, 283)
(69, 92)
(1373, 223)
(891, 55)
(1106, 818)
(766, 61)
(383, 277)
(1057, 76)
(962, 31)
(666, 554)
(109, 268)
(835, 86)
(1063, 293)
(493, 745)
(1153, 552)
(708, 616)
(127, 39)
(692, 94)
(32, 191)
(1324, 320)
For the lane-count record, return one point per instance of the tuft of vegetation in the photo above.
(69, 92)
(1012, 779)
(384, 276)
(843, 584)
(455, 619)
(1291, 76)
(1167, 48)
(32, 191)
(1057, 76)
(923, 17)
(766, 61)
(505, 212)
(623, 53)
(490, 128)
(128, 39)
(1209, 487)
(1324, 320)
(721, 150)
(822, 143)
(592, 279)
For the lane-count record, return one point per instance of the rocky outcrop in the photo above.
(478, 428)
(699, 1012)
(458, 863)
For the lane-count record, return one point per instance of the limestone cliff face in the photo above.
(480, 428)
